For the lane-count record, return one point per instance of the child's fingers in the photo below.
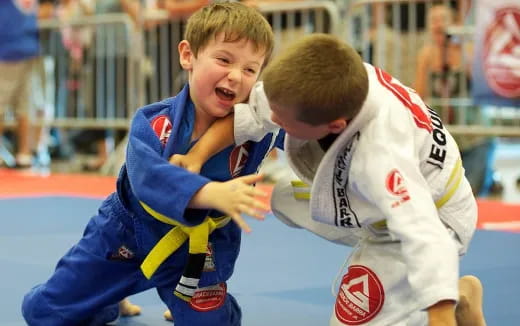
(194, 168)
(241, 222)
(259, 205)
(258, 193)
(252, 212)
(175, 159)
(251, 178)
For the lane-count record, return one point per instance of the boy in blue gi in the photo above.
(162, 227)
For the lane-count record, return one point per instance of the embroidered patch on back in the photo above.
(209, 298)
(360, 297)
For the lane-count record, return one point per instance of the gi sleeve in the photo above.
(253, 120)
(390, 179)
(164, 188)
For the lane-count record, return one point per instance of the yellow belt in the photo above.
(169, 243)
(452, 185)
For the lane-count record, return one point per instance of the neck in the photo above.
(327, 141)
(202, 122)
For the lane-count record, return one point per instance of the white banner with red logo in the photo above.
(496, 70)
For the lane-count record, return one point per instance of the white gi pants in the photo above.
(375, 290)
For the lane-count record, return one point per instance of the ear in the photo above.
(185, 55)
(337, 126)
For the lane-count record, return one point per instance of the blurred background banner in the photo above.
(496, 69)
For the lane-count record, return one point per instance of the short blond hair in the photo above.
(235, 20)
(319, 75)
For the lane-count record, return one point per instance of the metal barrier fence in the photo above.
(93, 71)
(98, 70)
(390, 34)
(121, 67)
(113, 67)
(163, 75)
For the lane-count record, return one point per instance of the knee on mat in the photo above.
(35, 311)
(29, 312)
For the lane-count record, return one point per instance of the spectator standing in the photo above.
(442, 74)
(101, 102)
(19, 47)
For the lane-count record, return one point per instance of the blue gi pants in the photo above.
(86, 280)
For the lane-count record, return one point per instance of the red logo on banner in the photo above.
(209, 298)
(360, 297)
(238, 159)
(501, 62)
(162, 127)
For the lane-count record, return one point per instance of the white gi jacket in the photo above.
(393, 175)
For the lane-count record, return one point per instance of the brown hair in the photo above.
(319, 75)
(235, 20)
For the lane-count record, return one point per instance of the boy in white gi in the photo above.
(381, 172)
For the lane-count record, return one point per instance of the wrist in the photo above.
(205, 197)
(199, 156)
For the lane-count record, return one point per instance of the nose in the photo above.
(235, 74)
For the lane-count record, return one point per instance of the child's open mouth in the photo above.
(225, 94)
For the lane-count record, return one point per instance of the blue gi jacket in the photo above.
(157, 132)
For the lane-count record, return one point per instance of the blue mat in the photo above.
(283, 275)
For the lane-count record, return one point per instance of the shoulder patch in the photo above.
(396, 186)
(238, 159)
(162, 127)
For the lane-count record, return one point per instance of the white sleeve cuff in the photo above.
(253, 120)
(429, 298)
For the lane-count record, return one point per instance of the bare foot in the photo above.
(469, 310)
(126, 308)
(168, 315)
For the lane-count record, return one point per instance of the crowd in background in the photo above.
(45, 85)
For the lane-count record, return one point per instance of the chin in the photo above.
(220, 112)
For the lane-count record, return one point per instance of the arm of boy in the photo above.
(394, 184)
(442, 314)
(215, 139)
(251, 121)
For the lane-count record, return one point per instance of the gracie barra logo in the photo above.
(396, 186)
(238, 159)
(501, 54)
(209, 298)
(162, 127)
(345, 216)
(361, 296)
